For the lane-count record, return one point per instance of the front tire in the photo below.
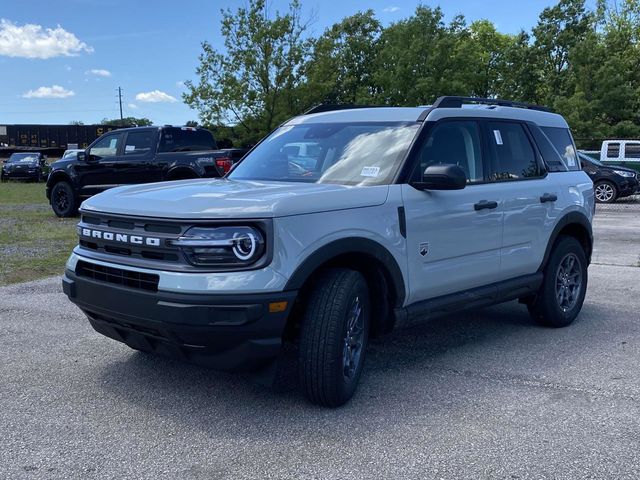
(333, 337)
(605, 192)
(561, 295)
(63, 201)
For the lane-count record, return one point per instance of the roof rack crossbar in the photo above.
(457, 102)
(452, 101)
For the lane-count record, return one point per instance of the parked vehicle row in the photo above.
(341, 224)
(132, 156)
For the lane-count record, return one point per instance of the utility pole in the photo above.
(120, 101)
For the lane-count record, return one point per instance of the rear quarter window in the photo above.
(562, 141)
(186, 140)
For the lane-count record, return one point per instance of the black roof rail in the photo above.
(329, 107)
(457, 102)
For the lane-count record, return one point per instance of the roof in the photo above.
(413, 114)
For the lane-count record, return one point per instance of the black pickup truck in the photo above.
(136, 155)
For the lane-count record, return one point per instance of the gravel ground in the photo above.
(486, 394)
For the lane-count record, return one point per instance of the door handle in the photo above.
(485, 204)
(548, 197)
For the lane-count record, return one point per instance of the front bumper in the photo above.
(227, 332)
(20, 175)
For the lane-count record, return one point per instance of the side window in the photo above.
(632, 150)
(561, 140)
(613, 150)
(513, 155)
(457, 143)
(107, 146)
(139, 143)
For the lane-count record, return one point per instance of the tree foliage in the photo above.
(127, 122)
(582, 61)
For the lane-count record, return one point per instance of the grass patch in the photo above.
(34, 243)
(19, 193)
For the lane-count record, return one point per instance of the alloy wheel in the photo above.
(568, 282)
(353, 340)
(604, 192)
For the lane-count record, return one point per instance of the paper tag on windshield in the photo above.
(129, 148)
(370, 171)
(498, 135)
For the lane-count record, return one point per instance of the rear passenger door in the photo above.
(529, 196)
(137, 165)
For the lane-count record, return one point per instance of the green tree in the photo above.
(252, 83)
(560, 29)
(127, 122)
(341, 67)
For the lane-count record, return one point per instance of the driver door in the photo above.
(453, 236)
(98, 171)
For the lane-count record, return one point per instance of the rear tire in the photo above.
(605, 192)
(63, 201)
(333, 337)
(561, 295)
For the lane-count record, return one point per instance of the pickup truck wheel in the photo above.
(605, 192)
(561, 295)
(333, 337)
(63, 201)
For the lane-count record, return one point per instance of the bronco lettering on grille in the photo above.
(119, 237)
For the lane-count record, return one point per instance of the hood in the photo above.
(622, 169)
(221, 198)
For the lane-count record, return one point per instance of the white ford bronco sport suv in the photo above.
(394, 216)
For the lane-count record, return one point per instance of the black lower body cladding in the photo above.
(226, 332)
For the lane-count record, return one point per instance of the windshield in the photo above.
(71, 153)
(586, 158)
(343, 153)
(23, 158)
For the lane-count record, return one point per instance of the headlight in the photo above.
(622, 173)
(222, 246)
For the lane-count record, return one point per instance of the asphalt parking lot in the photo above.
(486, 394)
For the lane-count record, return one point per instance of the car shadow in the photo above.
(219, 402)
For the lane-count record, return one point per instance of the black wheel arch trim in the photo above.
(571, 218)
(353, 245)
(57, 177)
(180, 169)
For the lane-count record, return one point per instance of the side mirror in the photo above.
(82, 156)
(442, 177)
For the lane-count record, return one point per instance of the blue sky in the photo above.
(149, 48)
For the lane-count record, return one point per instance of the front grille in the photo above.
(118, 276)
(164, 231)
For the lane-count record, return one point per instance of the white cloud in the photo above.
(392, 9)
(33, 41)
(180, 84)
(156, 96)
(132, 106)
(99, 72)
(54, 91)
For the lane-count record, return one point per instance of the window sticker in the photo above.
(129, 148)
(370, 171)
(498, 135)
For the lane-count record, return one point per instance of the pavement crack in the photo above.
(540, 384)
